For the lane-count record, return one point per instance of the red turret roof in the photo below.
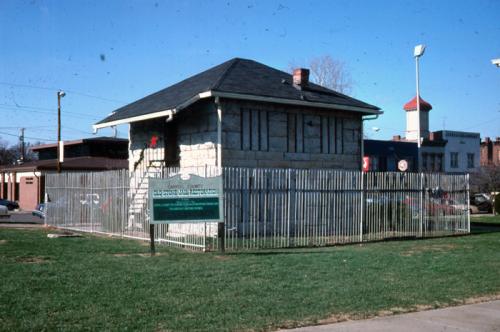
(412, 105)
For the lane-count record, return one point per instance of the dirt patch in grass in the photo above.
(138, 254)
(339, 318)
(399, 310)
(480, 299)
(427, 248)
(33, 260)
(3, 241)
(222, 258)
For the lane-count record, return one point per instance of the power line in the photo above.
(35, 138)
(70, 114)
(66, 90)
(49, 129)
(46, 109)
(33, 127)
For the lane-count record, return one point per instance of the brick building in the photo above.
(490, 152)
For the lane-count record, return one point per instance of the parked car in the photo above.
(432, 207)
(4, 212)
(11, 205)
(39, 211)
(481, 203)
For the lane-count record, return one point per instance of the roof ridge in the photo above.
(225, 73)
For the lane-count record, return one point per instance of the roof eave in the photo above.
(296, 102)
(160, 114)
(230, 95)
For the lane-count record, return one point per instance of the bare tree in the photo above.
(330, 73)
(9, 155)
(486, 179)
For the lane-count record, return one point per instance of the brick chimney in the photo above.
(396, 138)
(301, 77)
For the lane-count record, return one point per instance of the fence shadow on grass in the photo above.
(482, 228)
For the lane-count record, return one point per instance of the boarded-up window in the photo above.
(254, 130)
(325, 132)
(328, 134)
(339, 136)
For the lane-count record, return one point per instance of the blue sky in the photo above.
(105, 54)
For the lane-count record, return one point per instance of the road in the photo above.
(20, 218)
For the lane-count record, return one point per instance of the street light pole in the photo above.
(418, 52)
(418, 103)
(60, 94)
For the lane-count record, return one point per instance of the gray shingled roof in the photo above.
(240, 76)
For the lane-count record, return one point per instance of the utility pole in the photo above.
(60, 94)
(21, 145)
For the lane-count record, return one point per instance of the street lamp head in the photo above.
(496, 62)
(419, 51)
(61, 93)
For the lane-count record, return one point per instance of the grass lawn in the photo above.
(96, 283)
(486, 219)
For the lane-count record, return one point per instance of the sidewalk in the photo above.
(473, 317)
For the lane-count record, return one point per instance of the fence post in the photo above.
(222, 237)
(91, 204)
(152, 238)
(467, 197)
(362, 215)
(421, 205)
(292, 206)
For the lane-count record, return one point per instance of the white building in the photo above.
(446, 151)
(461, 152)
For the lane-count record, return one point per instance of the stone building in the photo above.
(244, 113)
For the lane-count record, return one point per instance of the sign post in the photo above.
(186, 198)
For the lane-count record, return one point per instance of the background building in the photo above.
(25, 182)
(447, 151)
(490, 152)
(385, 155)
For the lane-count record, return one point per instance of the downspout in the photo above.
(219, 132)
(374, 117)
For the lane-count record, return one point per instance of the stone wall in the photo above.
(254, 135)
(197, 135)
(268, 135)
(141, 153)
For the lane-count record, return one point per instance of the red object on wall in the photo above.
(366, 164)
(154, 141)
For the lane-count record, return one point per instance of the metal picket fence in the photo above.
(270, 208)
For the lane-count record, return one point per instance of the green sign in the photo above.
(185, 199)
